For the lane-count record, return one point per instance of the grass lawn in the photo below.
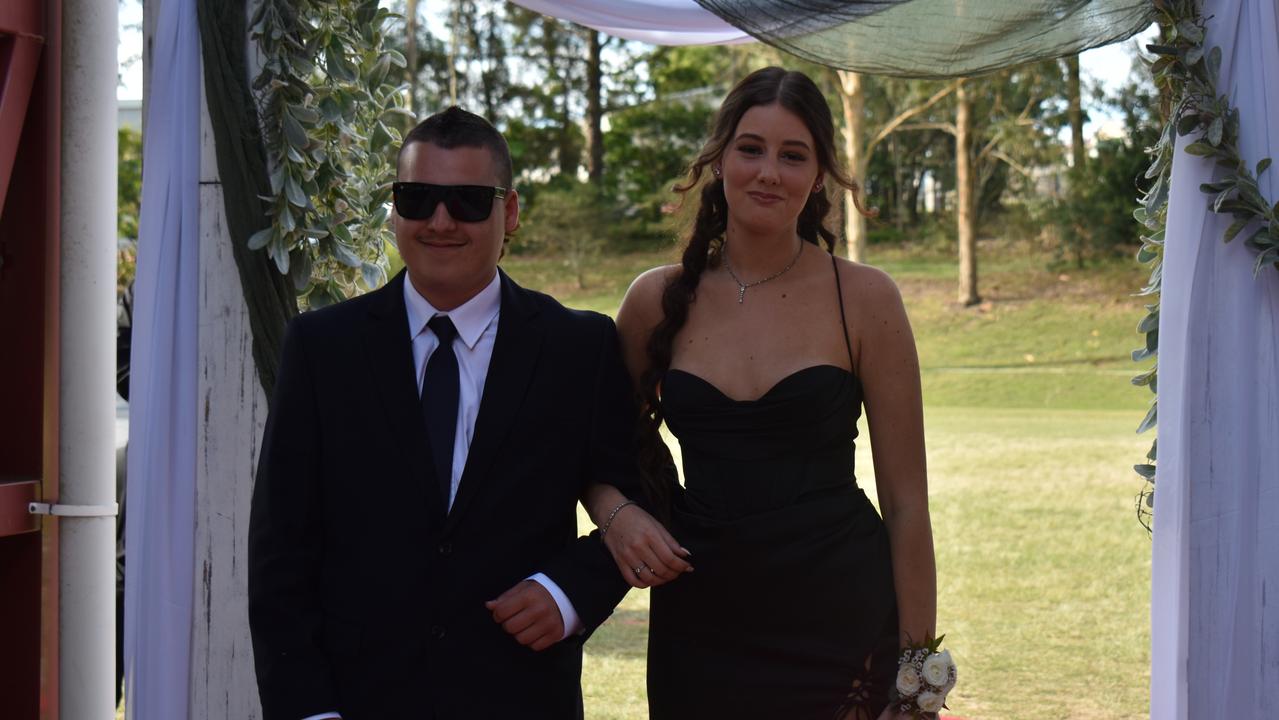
(1043, 570)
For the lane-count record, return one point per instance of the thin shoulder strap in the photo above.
(843, 321)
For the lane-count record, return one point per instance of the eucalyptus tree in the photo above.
(1005, 120)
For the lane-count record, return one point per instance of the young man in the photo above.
(412, 546)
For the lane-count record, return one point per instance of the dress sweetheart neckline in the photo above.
(767, 392)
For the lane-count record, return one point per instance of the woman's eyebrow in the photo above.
(760, 138)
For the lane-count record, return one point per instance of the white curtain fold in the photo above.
(661, 22)
(159, 576)
(1214, 613)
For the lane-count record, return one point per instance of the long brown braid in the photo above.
(798, 94)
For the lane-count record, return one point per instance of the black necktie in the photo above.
(440, 392)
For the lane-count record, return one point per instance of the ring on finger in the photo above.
(638, 570)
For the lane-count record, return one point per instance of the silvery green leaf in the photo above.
(259, 239)
(304, 114)
(1152, 416)
(293, 191)
(1235, 227)
(373, 275)
(300, 268)
(280, 254)
(379, 217)
(342, 233)
(1194, 55)
(1214, 62)
(1262, 165)
(1146, 254)
(1190, 31)
(286, 220)
(1201, 149)
(1145, 470)
(277, 179)
(1187, 123)
(1268, 256)
(1221, 198)
(1214, 131)
(345, 255)
(1154, 451)
(397, 58)
(1148, 323)
(1144, 378)
(293, 132)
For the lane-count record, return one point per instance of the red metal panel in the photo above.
(19, 57)
(30, 158)
(22, 17)
(14, 497)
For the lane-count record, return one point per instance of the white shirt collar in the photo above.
(471, 318)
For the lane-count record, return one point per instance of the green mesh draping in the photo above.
(933, 38)
(242, 168)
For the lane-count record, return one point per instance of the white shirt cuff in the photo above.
(324, 716)
(572, 624)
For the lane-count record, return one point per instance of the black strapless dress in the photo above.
(790, 613)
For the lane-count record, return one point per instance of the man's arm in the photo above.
(294, 678)
(585, 571)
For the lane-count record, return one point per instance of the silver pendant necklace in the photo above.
(741, 286)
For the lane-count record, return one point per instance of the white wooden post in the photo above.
(233, 410)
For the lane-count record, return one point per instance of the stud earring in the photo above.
(818, 187)
(715, 170)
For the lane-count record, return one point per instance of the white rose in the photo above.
(936, 669)
(929, 701)
(907, 680)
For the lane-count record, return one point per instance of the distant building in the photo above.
(129, 114)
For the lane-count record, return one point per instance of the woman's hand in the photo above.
(645, 553)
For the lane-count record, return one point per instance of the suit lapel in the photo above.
(515, 357)
(389, 350)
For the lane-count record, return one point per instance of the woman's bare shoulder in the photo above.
(866, 287)
(644, 297)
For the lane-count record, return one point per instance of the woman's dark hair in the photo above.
(797, 93)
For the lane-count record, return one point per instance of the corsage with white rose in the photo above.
(925, 674)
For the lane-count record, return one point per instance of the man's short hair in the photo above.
(456, 127)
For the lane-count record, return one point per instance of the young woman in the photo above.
(759, 351)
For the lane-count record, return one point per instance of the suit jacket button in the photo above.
(437, 632)
(445, 548)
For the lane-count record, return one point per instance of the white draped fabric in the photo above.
(661, 22)
(159, 581)
(1215, 586)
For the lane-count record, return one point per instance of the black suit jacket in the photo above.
(364, 596)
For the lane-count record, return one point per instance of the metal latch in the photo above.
(39, 508)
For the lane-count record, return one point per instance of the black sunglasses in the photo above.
(467, 203)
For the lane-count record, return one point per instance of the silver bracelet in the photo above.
(609, 522)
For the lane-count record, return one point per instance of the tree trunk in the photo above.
(853, 95)
(899, 190)
(912, 197)
(410, 51)
(594, 111)
(966, 199)
(1078, 156)
(454, 22)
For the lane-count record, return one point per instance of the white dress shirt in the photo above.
(476, 322)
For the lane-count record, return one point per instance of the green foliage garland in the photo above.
(1187, 74)
(327, 103)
